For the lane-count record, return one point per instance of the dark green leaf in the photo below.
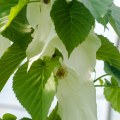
(9, 10)
(112, 94)
(108, 52)
(8, 116)
(9, 62)
(109, 69)
(71, 22)
(36, 88)
(54, 115)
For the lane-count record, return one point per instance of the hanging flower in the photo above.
(75, 91)
(4, 44)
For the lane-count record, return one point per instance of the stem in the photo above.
(100, 86)
(100, 77)
(104, 86)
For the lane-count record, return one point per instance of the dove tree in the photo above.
(51, 49)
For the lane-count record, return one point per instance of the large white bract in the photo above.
(38, 14)
(75, 91)
(4, 44)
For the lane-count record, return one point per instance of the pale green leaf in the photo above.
(98, 8)
(115, 19)
(36, 88)
(71, 22)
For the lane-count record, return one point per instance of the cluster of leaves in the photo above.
(77, 19)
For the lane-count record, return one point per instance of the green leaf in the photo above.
(19, 30)
(8, 12)
(8, 116)
(112, 94)
(115, 19)
(54, 115)
(36, 88)
(106, 19)
(20, 33)
(108, 52)
(109, 69)
(98, 8)
(5, 6)
(71, 22)
(9, 62)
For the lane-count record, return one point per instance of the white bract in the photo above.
(4, 44)
(38, 14)
(75, 90)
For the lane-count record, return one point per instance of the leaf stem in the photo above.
(100, 86)
(100, 77)
(104, 86)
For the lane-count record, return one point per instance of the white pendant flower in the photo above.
(75, 91)
(4, 44)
